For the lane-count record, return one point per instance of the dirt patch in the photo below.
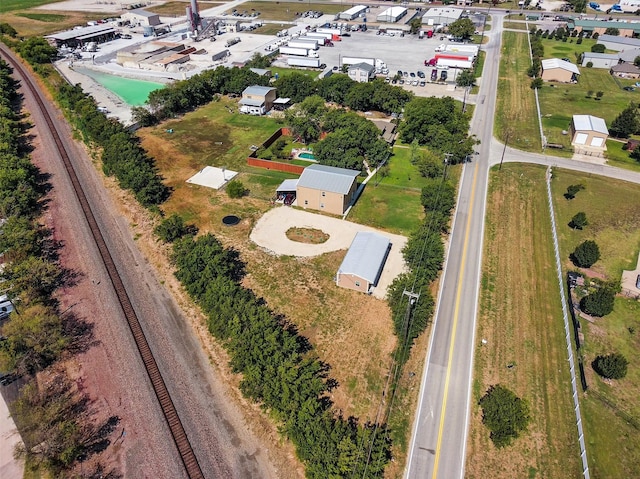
(307, 235)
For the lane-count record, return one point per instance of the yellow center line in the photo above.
(455, 327)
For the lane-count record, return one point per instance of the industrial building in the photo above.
(353, 12)
(392, 14)
(155, 55)
(441, 16)
(599, 60)
(618, 44)
(327, 188)
(141, 18)
(364, 261)
(81, 36)
(626, 29)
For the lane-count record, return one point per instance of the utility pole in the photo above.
(506, 140)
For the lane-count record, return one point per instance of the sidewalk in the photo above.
(10, 468)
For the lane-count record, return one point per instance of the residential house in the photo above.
(257, 100)
(362, 72)
(327, 188)
(588, 134)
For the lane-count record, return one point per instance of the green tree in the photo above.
(626, 123)
(598, 48)
(415, 25)
(505, 414)
(599, 303)
(636, 61)
(536, 83)
(599, 95)
(586, 254)
(612, 31)
(296, 86)
(236, 189)
(611, 366)
(173, 228)
(572, 191)
(466, 78)
(36, 50)
(6, 29)
(579, 221)
(462, 28)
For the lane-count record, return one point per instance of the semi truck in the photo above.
(309, 44)
(326, 36)
(376, 62)
(320, 40)
(454, 63)
(303, 62)
(300, 52)
(232, 41)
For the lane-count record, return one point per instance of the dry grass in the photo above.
(520, 317)
(307, 235)
(28, 27)
(178, 8)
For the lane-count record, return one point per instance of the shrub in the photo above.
(589, 64)
(505, 414)
(599, 303)
(586, 254)
(611, 366)
(572, 190)
(579, 221)
(536, 83)
(173, 228)
(598, 48)
(236, 189)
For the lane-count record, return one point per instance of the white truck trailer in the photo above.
(303, 62)
(309, 44)
(453, 63)
(376, 62)
(300, 52)
(466, 49)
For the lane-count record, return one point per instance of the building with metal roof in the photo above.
(617, 43)
(554, 69)
(625, 28)
(140, 17)
(441, 16)
(392, 14)
(362, 72)
(599, 60)
(80, 36)
(353, 12)
(364, 261)
(588, 134)
(257, 100)
(327, 188)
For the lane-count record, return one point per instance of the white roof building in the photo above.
(552, 63)
(392, 14)
(363, 263)
(441, 16)
(590, 122)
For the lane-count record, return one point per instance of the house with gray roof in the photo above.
(257, 100)
(599, 60)
(625, 70)
(364, 261)
(629, 55)
(327, 188)
(362, 72)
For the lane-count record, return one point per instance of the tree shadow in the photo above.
(79, 333)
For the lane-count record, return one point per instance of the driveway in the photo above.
(270, 233)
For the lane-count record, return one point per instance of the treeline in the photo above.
(537, 54)
(280, 370)
(350, 138)
(122, 155)
(53, 419)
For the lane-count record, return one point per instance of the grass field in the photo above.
(516, 109)
(14, 5)
(31, 23)
(616, 156)
(287, 11)
(611, 208)
(515, 25)
(356, 346)
(521, 319)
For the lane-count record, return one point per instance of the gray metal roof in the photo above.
(366, 256)
(605, 56)
(634, 42)
(328, 178)
(590, 123)
(288, 185)
(629, 55)
(79, 32)
(251, 102)
(257, 90)
(144, 13)
(367, 67)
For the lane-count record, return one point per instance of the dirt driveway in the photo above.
(270, 234)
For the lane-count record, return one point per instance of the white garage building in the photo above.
(589, 134)
(441, 16)
(392, 15)
(353, 12)
(140, 17)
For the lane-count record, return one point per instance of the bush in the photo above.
(586, 254)
(505, 414)
(598, 48)
(572, 190)
(589, 64)
(173, 228)
(611, 366)
(599, 303)
(579, 221)
(236, 189)
(536, 83)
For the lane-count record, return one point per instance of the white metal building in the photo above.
(362, 72)
(140, 17)
(353, 12)
(589, 132)
(392, 14)
(614, 42)
(441, 16)
(599, 60)
(364, 261)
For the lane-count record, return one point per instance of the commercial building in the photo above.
(554, 69)
(364, 261)
(626, 29)
(257, 100)
(392, 14)
(141, 18)
(362, 72)
(617, 43)
(588, 134)
(441, 16)
(81, 36)
(599, 60)
(353, 12)
(327, 188)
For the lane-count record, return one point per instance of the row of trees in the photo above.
(349, 139)
(279, 367)
(122, 155)
(52, 416)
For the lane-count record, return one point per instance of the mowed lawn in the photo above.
(516, 108)
(520, 318)
(614, 223)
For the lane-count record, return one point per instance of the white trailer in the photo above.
(326, 36)
(303, 62)
(332, 31)
(320, 39)
(309, 44)
(376, 62)
(300, 52)
(449, 62)
(472, 49)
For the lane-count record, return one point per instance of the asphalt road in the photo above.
(440, 429)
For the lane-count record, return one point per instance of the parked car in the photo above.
(434, 74)
(420, 74)
(443, 75)
(423, 83)
(412, 75)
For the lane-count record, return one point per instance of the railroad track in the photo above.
(178, 433)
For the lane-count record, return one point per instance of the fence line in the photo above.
(574, 387)
(543, 140)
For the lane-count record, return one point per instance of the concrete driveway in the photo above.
(270, 233)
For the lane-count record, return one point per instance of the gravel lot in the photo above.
(270, 233)
(111, 371)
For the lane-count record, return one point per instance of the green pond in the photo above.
(132, 92)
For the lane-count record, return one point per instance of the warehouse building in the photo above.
(392, 14)
(618, 44)
(353, 12)
(327, 188)
(362, 265)
(81, 36)
(626, 29)
(441, 16)
(141, 18)
(599, 60)
(554, 69)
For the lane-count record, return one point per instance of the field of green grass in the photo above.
(14, 5)
(520, 317)
(616, 156)
(516, 109)
(614, 223)
(515, 25)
